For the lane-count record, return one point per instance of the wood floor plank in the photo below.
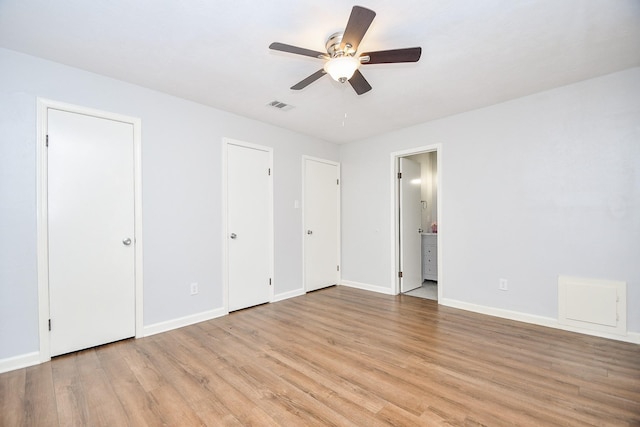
(104, 406)
(382, 372)
(303, 376)
(12, 398)
(337, 356)
(542, 409)
(40, 401)
(203, 376)
(139, 361)
(140, 408)
(71, 402)
(294, 364)
(380, 376)
(254, 376)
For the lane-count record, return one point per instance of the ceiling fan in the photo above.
(341, 63)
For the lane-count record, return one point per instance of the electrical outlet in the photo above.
(503, 285)
(194, 288)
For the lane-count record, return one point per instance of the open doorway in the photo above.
(415, 222)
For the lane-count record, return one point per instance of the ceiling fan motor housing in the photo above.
(333, 46)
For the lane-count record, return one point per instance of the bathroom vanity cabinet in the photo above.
(429, 256)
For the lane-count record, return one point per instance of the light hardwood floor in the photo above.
(341, 357)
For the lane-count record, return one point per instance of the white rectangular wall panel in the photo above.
(598, 305)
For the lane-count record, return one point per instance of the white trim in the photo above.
(19, 362)
(137, 206)
(286, 295)
(181, 322)
(631, 337)
(437, 148)
(225, 231)
(304, 227)
(42, 214)
(42, 231)
(367, 287)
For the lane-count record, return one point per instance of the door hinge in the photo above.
(49, 324)
(337, 182)
(399, 273)
(269, 281)
(47, 141)
(269, 172)
(399, 175)
(337, 268)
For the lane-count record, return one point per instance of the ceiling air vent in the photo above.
(280, 105)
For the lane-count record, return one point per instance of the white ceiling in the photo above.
(474, 52)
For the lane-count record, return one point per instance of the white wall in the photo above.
(181, 161)
(540, 186)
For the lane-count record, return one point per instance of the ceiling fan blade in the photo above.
(306, 82)
(410, 54)
(359, 83)
(297, 50)
(357, 26)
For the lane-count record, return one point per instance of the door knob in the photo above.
(309, 232)
(233, 235)
(126, 241)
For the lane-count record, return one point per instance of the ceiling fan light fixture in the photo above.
(341, 60)
(341, 68)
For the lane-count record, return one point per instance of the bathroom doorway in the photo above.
(416, 207)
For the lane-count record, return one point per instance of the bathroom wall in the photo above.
(429, 187)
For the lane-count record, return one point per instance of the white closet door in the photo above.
(321, 224)
(248, 226)
(91, 231)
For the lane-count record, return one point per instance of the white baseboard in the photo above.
(287, 295)
(19, 362)
(367, 287)
(631, 337)
(157, 328)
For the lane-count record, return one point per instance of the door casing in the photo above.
(43, 105)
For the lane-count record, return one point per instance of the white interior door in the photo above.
(249, 245)
(91, 231)
(410, 220)
(321, 223)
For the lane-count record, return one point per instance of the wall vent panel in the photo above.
(597, 305)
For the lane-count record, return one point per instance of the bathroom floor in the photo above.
(428, 290)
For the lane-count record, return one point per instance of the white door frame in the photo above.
(225, 223)
(42, 214)
(395, 200)
(304, 229)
